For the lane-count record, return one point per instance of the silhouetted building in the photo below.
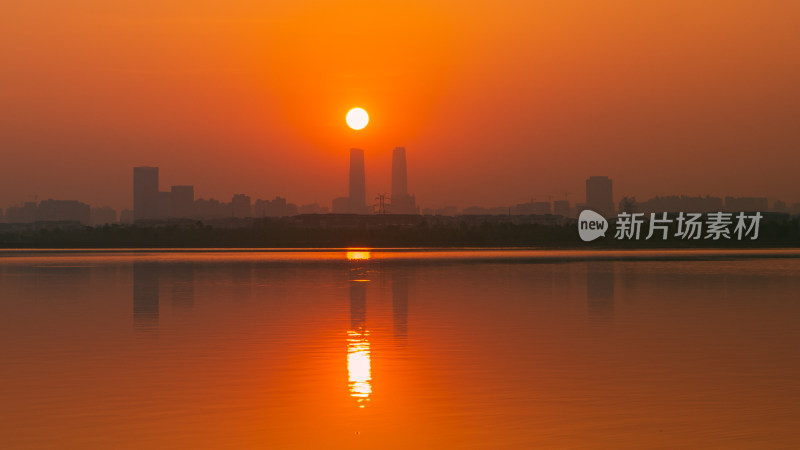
(182, 201)
(401, 201)
(531, 207)
(22, 214)
(399, 172)
(357, 187)
(145, 193)
(63, 210)
(780, 206)
(672, 203)
(211, 209)
(628, 205)
(126, 216)
(561, 208)
(599, 196)
(240, 205)
(278, 207)
(103, 215)
(746, 204)
(445, 211)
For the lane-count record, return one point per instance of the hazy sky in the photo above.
(496, 102)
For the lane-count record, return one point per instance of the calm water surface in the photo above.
(399, 349)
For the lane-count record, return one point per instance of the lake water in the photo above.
(399, 349)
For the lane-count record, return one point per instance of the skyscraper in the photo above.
(241, 206)
(599, 196)
(401, 203)
(358, 189)
(145, 193)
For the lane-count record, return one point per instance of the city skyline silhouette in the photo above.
(151, 203)
(509, 102)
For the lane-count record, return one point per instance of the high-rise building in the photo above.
(182, 201)
(22, 214)
(145, 193)
(401, 203)
(240, 205)
(63, 210)
(357, 189)
(599, 196)
(278, 207)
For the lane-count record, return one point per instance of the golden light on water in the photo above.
(359, 370)
(355, 255)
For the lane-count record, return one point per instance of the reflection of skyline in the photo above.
(524, 371)
(148, 279)
(600, 288)
(145, 295)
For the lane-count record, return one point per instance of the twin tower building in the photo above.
(400, 202)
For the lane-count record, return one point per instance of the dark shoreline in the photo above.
(313, 232)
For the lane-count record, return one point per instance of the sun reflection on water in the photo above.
(358, 366)
(357, 255)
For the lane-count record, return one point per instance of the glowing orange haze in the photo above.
(496, 102)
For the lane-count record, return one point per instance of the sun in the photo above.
(357, 118)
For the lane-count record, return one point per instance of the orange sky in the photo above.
(496, 102)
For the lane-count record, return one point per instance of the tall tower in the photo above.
(599, 196)
(145, 193)
(399, 173)
(402, 203)
(358, 189)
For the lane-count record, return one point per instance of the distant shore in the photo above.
(343, 231)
